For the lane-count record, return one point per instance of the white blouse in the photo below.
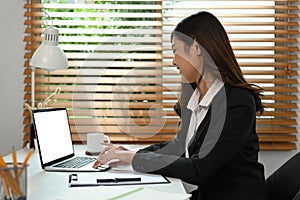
(199, 110)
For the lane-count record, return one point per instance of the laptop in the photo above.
(55, 145)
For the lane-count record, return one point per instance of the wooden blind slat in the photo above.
(84, 14)
(104, 39)
(94, 6)
(80, 30)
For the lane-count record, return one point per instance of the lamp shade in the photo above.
(49, 55)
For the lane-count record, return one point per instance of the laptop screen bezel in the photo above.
(36, 135)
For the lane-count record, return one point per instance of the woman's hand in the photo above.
(115, 154)
(108, 146)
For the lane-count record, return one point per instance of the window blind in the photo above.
(121, 81)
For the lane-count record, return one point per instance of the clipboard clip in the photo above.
(72, 177)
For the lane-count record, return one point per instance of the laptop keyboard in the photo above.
(76, 162)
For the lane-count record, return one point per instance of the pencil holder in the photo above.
(13, 182)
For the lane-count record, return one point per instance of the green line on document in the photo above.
(126, 193)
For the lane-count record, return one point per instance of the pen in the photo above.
(110, 180)
(127, 179)
(117, 180)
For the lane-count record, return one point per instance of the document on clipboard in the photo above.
(112, 178)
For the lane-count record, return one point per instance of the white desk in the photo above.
(44, 185)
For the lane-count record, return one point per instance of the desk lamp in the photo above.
(48, 56)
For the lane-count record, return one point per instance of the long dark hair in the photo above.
(207, 30)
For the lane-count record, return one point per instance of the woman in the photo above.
(215, 152)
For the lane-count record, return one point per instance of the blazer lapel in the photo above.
(199, 136)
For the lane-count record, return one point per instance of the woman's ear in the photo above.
(196, 47)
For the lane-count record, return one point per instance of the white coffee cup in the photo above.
(94, 141)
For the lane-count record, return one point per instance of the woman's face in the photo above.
(188, 60)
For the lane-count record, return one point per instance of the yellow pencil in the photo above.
(15, 164)
(6, 190)
(14, 157)
(25, 161)
(2, 162)
(27, 157)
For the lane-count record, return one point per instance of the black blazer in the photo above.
(223, 153)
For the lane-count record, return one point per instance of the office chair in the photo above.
(284, 183)
(297, 197)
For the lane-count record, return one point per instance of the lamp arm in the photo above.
(49, 98)
(33, 87)
(47, 17)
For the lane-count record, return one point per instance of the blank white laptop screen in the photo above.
(53, 132)
(55, 143)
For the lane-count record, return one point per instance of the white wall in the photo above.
(11, 78)
(274, 159)
(11, 85)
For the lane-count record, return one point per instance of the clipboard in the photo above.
(114, 179)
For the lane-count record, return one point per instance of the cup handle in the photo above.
(107, 138)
